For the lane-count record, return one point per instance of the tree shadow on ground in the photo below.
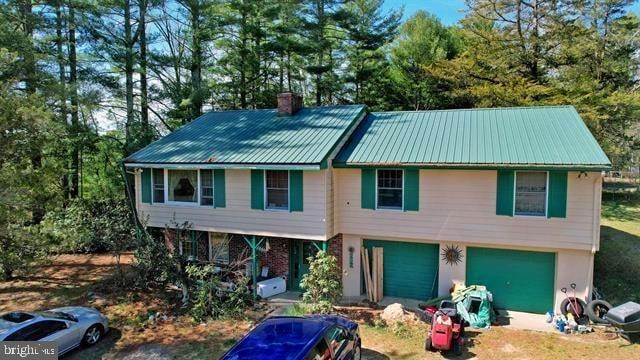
(617, 266)
(98, 351)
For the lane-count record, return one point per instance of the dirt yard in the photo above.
(88, 280)
(84, 280)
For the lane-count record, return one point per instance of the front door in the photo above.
(301, 251)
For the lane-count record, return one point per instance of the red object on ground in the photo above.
(441, 334)
(447, 329)
(429, 311)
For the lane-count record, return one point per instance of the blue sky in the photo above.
(449, 11)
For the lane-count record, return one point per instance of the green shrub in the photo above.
(91, 225)
(210, 300)
(322, 284)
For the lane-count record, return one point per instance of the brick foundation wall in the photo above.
(277, 258)
(335, 248)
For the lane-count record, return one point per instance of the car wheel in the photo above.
(357, 352)
(92, 335)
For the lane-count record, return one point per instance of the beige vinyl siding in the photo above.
(238, 217)
(460, 206)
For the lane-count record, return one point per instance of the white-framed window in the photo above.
(389, 189)
(219, 247)
(206, 187)
(530, 198)
(186, 248)
(276, 189)
(196, 246)
(158, 185)
(182, 186)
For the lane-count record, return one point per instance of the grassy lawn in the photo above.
(617, 264)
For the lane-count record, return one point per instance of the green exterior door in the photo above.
(410, 269)
(519, 280)
(299, 260)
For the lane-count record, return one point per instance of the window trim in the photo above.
(201, 187)
(264, 194)
(546, 195)
(181, 203)
(386, 208)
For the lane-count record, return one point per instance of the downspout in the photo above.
(595, 233)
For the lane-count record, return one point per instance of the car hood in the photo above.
(79, 312)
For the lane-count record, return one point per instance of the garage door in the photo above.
(519, 280)
(410, 269)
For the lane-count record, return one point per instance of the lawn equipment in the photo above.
(447, 329)
(573, 304)
(625, 318)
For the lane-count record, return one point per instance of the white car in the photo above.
(69, 327)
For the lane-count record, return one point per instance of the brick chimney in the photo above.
(289, 103)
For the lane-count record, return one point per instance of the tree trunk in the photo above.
(62, 78)
(144, 101)
(196, 60)
(243, 52)
(75, 120)
(128, 69)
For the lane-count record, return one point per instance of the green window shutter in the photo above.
(295, 190)
(145, 186)
(411, 199)
(257, 189)
(219, 188)
(557, 194)
(368, 188)
(504, 196)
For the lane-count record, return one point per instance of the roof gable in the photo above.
(553, 136)
(254, 137)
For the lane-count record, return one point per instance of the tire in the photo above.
(596, 310)
(566, 307)
(92, 335)
(427, 344)
(457, 347)
(357, 352)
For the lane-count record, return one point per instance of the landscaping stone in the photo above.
(394, 313)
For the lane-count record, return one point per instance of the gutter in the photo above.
(247, 166)
(450, 166)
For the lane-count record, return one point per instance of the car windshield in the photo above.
(16, 317)
(58, 315)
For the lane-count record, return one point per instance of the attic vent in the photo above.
(289, 103)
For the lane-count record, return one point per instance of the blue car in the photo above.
(313, 337)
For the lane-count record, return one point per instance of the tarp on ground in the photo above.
(473, 304)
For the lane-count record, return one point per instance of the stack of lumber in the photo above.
(373, 270)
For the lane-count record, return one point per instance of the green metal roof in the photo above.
(527, 137)
(253, 137)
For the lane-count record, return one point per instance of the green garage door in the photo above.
(410, 269)
(519, 280)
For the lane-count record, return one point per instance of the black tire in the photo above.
(427, 344)
(567, 307)
(457, 347)
(596, 310)
(93, 335)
